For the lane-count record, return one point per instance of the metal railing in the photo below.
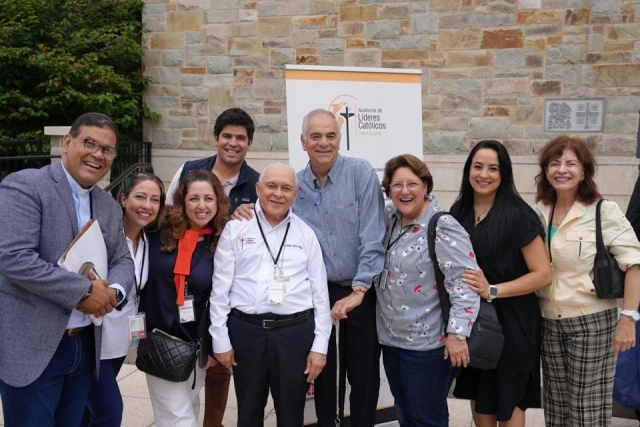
(114, 185)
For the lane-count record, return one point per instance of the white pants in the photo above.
(175, 404)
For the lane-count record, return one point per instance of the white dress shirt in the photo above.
(243, 270)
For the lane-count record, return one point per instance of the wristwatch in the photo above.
(493, 293)
(119, 295)
(460, 337)
(631, 313)
(87, 295)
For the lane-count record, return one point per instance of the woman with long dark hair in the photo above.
(508, 241)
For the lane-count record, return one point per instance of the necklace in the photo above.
(482, 214)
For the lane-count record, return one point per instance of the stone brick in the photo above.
(459, 105)
(308, 59)
(163, 75)
(181, 122)
(304, 37)
(502, 39)
(459, 38)
(496, 111)
(173, 58)
(545, 16)
(224, 4)
(328, 33)
(623, 32)
(269, 73)
(218, 80)
(276, 42)
(605, 6)
(562, 54)
(165, 138)
(489, 127)
(247, 15)
(218, 65)
(469, 58)
(495, 20)
(425, 23)
(529, 4)
(323, 6)
(387, 29)
(274, 27)
(446, 143)
(619, 145)
(609, 57)
(577, 16)
(507, 86)
(280, 57)
(363, 57)
(352, 29)
(456, 20)
(617, 75)
(218, 16)
(193, 70)
(355, 43)
(404, 54)
(501, 73)
(221, 97)
(626, 104)
(405, 26)
(545, 88)
(394, 11)
(162, 90)
(621, 123)
(535, 31)
(243, 29)
(332, 59)
(243, 77)
(245, 93)
(618, 46)
(355, 12)
(332, 45)
(262, 141)
(244, 47)
(527, 115)
(539, 45)
(456, 86)
(509, 58)
(258, 61)
(191, 80)
(168, 41)
(184, 21)
(268, 89)
(445, 73)
(611, 19)
(161, 102)
(454, 123)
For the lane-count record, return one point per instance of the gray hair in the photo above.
(278, 164)
(305, 120)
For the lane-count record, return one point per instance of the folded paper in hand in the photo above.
(87, 246)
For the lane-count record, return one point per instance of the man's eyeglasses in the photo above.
(93, 147)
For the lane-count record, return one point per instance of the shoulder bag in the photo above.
(608, 278)
(486, 340)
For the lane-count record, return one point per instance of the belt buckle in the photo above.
(264, 324)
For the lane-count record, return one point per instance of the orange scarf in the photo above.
(182, 268)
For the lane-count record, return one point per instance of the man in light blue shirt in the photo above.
(340, 198)
(50, 348)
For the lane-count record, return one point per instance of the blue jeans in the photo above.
(104, 405)
(57, 398)
(420, 382)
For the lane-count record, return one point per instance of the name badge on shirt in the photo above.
(382, 279)
(137, 326)
(276, 292)
(186, 311)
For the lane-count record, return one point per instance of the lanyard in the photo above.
(138, 283)
(393, 227)
(276, 258)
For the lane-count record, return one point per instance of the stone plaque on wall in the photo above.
(574, 115)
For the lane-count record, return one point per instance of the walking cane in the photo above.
(338, 374)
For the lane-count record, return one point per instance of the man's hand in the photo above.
(457, 351)
(227, 359)
(243, 212)
(345, 305)
(315, 363)
(101, 301)
(624, 336)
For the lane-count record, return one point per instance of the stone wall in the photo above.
(488, 66)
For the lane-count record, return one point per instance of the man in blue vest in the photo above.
(233, 135)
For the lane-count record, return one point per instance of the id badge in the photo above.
(384, 276)
(276, 292)
(137, 326)
(186, 311)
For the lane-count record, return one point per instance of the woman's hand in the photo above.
(243, 212)
(477, 282)
(624, 336)
(211, 362)
(456, 351)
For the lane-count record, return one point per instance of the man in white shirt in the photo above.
(270, 316)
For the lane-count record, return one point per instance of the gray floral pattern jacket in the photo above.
(408, 309)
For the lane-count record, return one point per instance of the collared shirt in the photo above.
(573, 251)
(408, 308)
(347, 215)
(82, 203)
(243, 270)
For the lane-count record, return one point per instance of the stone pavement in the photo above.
(138, 412)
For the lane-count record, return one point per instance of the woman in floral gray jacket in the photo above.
(421, 356)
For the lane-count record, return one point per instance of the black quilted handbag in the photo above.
(166, 357)
(608, 279)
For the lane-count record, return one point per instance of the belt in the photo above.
(270, 320)
(75, 331)
(343, 283)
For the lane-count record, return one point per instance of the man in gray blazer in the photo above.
(49, 348)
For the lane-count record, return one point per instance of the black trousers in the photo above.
(271, 359)
(359, 362)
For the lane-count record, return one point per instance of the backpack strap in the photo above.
(443, 296)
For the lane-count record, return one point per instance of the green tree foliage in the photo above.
(62, 58)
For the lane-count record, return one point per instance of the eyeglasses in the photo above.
(397, 187)
(93, 147)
